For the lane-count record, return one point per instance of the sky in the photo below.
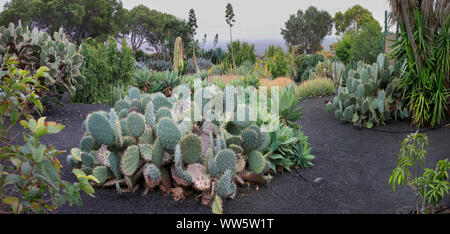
(255, 19)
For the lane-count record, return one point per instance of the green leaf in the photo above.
(38, 152)
(14, 179)
(14, 115)
(217, 205)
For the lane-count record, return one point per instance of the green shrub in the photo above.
(372, 95)
(367, 44)
(305, 64)
(317, 87)
(243, 51)
(106, 67)
(343, 48)
(277, 61)
(30, 179)
(432, 185)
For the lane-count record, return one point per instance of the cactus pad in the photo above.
(226, 160)
(169, 133)
(146, 152)
(135, 124)
(157, 153)
(256, 162)
(101, 173)
(100, 129)
(130, 160)
(191, 149)
(226, 187)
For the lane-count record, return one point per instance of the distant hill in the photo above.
(262, 44)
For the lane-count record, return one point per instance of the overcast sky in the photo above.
(255, 19)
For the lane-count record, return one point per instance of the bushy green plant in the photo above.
(305, 64)
(30, 180)
(106, 67)
(432, 185)
(243, 51)
(34, 49)
(343, 48)
(425, 69)
(371, 96)
(317, 87)
(277, 61)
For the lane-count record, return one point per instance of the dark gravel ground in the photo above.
(352, 168)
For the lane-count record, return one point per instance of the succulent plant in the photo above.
(100, 129)
(226, 187)
(130, 161)
(256, 162)
(101, 173)
(135, 124)
(226, 160)
(191, 149)
(169, 133)
(371, 96)
(158, 153)
(87, 143)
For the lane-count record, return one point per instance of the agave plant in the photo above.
(142, 79)
(290, 111)
(169, 82)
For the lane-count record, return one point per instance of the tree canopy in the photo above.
(306, 30)
(355, 18)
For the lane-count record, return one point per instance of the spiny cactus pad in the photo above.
(114, 162)
(226, 187)
(226, 160)
(87, 143)
(163, 112)
(100, 128)
(158, 153)
(121, 105)
(146, 152)
(134, 93)
(160, 101)
(169, 133)
(72, 161)
(135, 124)
(191, 149)
(130, 160)
(153, 172)
(101, 173)
(237, 149)
(234, 140)
(256, 162)
(250, 140)
(147, 136)
(87, 160)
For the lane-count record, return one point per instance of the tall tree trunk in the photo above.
(232, 52)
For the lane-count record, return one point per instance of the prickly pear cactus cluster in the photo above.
(34, 49)
(146, 140)
(371, 96)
